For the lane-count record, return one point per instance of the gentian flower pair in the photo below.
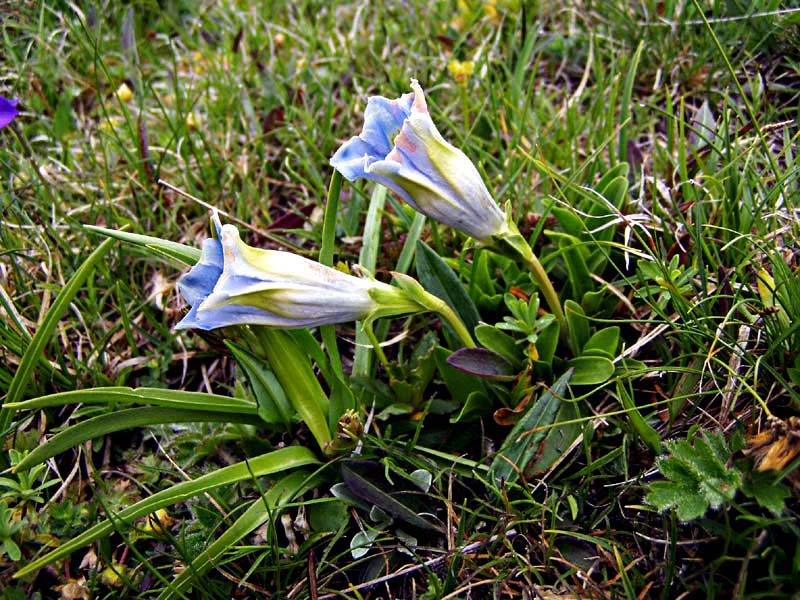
(400, 148)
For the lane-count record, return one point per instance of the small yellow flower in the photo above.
(199, 63)
(192, 122)
(461, 71)
(157, 522)
(124, 93)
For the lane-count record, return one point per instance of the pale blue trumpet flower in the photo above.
(236, 284)
(400, 148)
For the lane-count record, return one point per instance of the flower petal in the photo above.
(383, 119)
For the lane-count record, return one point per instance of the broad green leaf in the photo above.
(422, 479)
(284, 459)
(328, 515)
(560, 437)
(578, 325)
(188, 255)
(767, 493)
(483, 363)
(591, 370)
(43, 335)
(117, 421)
(521, 444)
(603, 343)
(154, 396)
(458, 384)
(441, 281)
(477, 405)
(492, 338)
(261, 510)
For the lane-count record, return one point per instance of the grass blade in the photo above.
(154, 396)
(187, 255)
(266, 507)
(44, 334)
(117, 421)
(266, 464)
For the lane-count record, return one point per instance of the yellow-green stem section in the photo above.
(452, 319)
(548, 291)
(367, 327)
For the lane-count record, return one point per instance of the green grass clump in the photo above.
(648, 152)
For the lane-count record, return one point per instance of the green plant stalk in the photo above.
(434, 304)
(328, 332)
(511, 243)
(37, 346)
(547, 289)
(370, 333)
(452, 319)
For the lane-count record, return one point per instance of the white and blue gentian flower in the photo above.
(400, 148)
(8, 111)
(236, 284)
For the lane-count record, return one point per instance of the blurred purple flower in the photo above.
(8, 111)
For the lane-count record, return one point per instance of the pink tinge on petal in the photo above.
(395, 156)
(419, 98)
(403, 142)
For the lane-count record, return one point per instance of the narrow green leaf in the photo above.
(648, 435)
(578, 325)
(44, 334)
(626, 102)
(261, 510)
(328, 332)
(266, 464)
(188, 255)
(576, 259)
(117, 421)
(368, 258)
(154, 396)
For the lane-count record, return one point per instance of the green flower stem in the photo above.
(429, 302)
(452, 319)
(367, 328)
(547, 289)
